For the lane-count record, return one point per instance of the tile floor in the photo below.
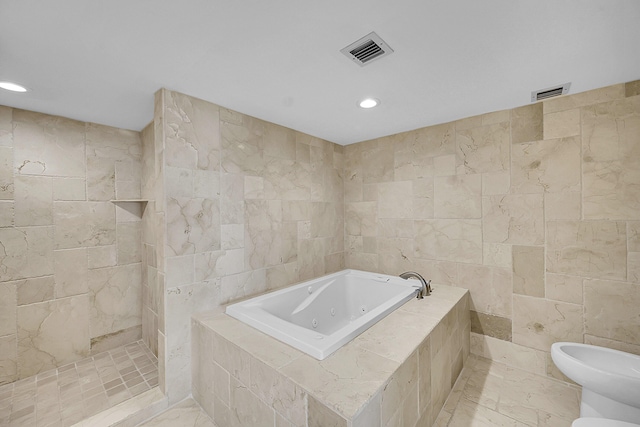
(491, 394)
(64, 396)
(487, 394)
(185, 414)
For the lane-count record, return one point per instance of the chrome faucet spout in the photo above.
(425, 289)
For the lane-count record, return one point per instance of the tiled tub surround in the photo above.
(242, 206)
(397, 373)
(70, 265)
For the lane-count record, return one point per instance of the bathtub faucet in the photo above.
(426, 285)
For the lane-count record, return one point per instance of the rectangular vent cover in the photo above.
(368, 48)
(550, 92)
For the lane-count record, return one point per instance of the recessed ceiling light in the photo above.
(369, 103)
(12, 87)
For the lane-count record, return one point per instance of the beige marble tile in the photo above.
(449, 240)
(238, 286)
(8, 303)
(563, 206)
(128, 239)
(633, 236)
(395, 200)
(101, 179)
(192, 132)
(185, 414)
(7, 213)
(401, 386)
(491, 325)
(514, 355)
(68, 189)
(632, 88)
(279, 141)
(483, 385)
(28, 252)
(83, 224)
(563, 288)
(6, 173)
(70, 271)
(538, 323)
(431, 141)
(247, 409)
(209, 265)
(370, 416)
(471, 414)
(587, 248)
(529, 397)
(52, 334)
(617, 345)
(179, 182)
(378, 164)
(48, 145)
(497, 255)
(490, 288)
(288, 180)
(113, 143)
(240, 152)
(526, 123)
(361, 218)
(6, 127)
(562, 124)
(36, 289)
(582, 99)
(458, 196)
(496, 183)
(343, 381)
(8, 359)
(385, 340)
(115, 298)
(321, 416)
(193, 225)
(33, 201)
(483, 149)
(633, 267)
(134, 410)
(278, 392)
(611, 151)
(444, 165)
(528, 270)
(617, 302)
(546, 166)
(117, 339)
(515, 218)
(102, 256)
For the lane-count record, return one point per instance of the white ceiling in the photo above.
(280, 60)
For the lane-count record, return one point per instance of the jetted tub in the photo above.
(321, 315)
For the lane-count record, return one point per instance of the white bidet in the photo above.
(610, 379)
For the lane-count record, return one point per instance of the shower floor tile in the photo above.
(71, 393)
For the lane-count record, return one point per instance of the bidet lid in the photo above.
(601, 422)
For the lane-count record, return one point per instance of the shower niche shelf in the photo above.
(135, 207)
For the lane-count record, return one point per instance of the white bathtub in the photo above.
(321, 315)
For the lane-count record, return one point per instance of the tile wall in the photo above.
(535, 210)
(244, 206)
(70, 259)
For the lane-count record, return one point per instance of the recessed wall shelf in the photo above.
(129, 201)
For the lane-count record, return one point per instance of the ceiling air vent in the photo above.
(368, 48)
(550, 92)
